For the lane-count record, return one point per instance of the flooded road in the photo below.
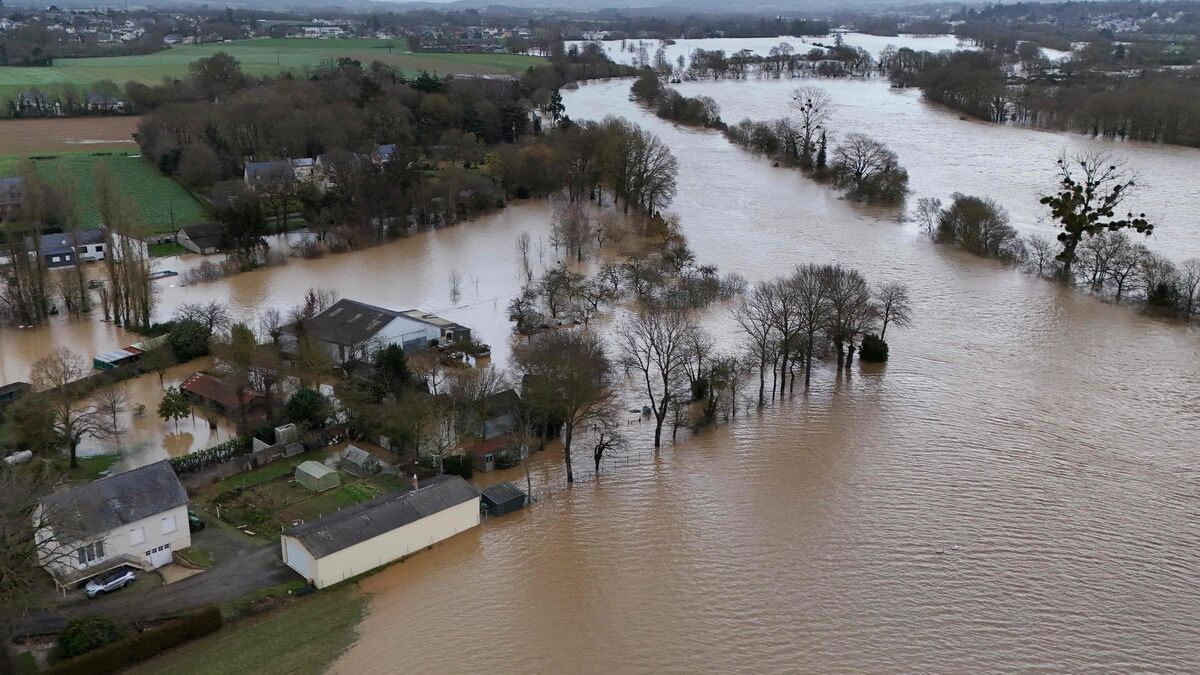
(1016, 490)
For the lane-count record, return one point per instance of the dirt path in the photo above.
(78, 134)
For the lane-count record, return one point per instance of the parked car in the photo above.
(109, 581)
(194, 522)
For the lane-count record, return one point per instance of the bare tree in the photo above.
(812, 107)
(926, 214)
(850, 309)
(1039, 254)
(655, 343)
(1189, 277)
(523, 244)
(753, 314)
(111, 404)
(813, 309)
(567, 379)
(894, 305)
(213, 315)
(607, 439)
(51, 377)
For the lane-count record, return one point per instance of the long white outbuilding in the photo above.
(368, 535)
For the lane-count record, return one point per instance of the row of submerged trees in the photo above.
(1149, 105)
(1094, 248)
(30, 290)
(863, 166)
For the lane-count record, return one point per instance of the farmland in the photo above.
(259, 57)
(32, 137)
(159, 199)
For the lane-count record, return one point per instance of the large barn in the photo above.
(375, 533)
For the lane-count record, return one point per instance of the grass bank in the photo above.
(299, 635)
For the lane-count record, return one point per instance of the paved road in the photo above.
(241, 564)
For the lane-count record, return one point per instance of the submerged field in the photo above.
(267, 56)
(161, 202)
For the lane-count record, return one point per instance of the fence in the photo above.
(586, 473)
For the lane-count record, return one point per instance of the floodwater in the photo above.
(408, 273)
(762, 45)
(1016, 490)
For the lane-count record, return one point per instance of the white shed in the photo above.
(372, 534)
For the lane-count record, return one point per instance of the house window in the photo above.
(55, 258)
(99, 248)
(137, 535)
(90, 553)
(168, 524)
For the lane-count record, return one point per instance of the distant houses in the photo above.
(137, 518)
(363, 537)
(352, 331)
(38, 103)
(319, 172)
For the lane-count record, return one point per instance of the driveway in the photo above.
(240, 565)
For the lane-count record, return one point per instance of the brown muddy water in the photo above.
(1015, 491)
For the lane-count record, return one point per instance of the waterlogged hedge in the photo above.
(209, 456)
(141, 647)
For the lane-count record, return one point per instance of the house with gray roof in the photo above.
(137, 518)
(352, 331)
(258, 175)
(360, 538)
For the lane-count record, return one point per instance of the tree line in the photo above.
(866, 168)
(1145, 105)
(1094, 247)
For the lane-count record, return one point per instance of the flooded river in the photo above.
(1016, 490)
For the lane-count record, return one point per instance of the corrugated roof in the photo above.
(383, 514)
(501, 493)
(348, 322)
(106, 504)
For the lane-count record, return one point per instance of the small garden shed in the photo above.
(501, 498)
(358, 461)
(316, 476)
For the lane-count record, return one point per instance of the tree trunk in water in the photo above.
(841, 356)
(808, 353)
(74, 458)
(762, 382)
(567, 454)
(849, 354)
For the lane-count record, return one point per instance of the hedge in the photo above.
(209, 456)
(143, 646)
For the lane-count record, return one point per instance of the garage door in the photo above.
(160, 556)
(297, 558)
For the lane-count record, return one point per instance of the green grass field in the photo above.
(265, 56)
(303, 637)
(155, 195)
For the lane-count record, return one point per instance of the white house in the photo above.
(350, 330)
(372, 534)
(135, 518)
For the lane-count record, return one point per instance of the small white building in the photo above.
(350, 330)
(137, 518)
(372, 534)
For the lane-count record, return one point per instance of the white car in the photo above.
(109, 581)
